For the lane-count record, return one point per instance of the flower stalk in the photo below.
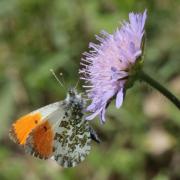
(146, 78)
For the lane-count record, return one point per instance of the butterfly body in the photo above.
(57, 131)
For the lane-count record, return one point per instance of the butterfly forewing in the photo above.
(21, 128)
(40, 140)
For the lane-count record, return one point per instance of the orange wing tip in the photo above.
(40, 141)
(23, 126)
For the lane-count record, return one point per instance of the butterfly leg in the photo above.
(94, 135)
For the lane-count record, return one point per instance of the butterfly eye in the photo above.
(71, 93)
(35, 121)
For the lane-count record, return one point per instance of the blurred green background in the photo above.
(141, 140)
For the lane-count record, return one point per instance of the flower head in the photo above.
(109, 66)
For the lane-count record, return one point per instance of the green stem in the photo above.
(158, 86)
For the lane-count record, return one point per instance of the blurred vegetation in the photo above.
(139, 141)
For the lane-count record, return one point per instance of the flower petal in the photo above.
(119, 98)
(92, 116)
(102, 115)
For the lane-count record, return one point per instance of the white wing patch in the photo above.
(48, 110)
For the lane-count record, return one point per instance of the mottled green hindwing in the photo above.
(72, 133)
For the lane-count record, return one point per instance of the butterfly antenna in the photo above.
(53, 73)
(62, 78)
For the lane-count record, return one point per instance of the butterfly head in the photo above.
(72, 92)
(74, 98)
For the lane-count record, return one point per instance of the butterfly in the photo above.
(57, 131)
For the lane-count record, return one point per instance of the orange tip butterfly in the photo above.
(57, 131)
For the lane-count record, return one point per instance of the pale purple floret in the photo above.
(106, 65)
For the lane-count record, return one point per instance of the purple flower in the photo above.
(108, 66)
